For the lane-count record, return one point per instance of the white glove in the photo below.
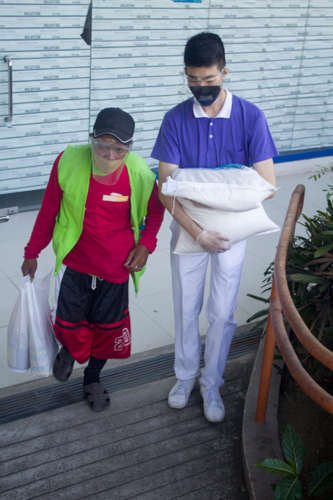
(213, 242)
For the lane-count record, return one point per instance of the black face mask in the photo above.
(206, 95)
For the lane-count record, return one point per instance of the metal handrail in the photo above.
(281, 299)
(9, 118)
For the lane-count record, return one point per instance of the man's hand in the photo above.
(29, 266)
(213, 242)
(137, 258)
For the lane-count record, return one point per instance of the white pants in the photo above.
(188, 282)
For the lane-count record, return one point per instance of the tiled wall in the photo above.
(279, 53)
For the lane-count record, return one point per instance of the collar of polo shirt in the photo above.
(224, 113)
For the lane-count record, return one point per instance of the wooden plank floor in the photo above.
(139, 449)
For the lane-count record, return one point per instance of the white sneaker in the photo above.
(213, 405)
(179, 394)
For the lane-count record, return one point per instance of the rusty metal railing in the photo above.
(276, 332)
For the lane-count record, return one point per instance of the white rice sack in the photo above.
(237, 226)
(230, 189)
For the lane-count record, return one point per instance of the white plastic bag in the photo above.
(31, 315)
(18, 357)
(43, 347)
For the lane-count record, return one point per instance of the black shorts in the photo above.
(92, 317)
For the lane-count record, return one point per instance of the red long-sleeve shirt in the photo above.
(107, 237)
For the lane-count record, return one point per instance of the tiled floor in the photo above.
(152, 310)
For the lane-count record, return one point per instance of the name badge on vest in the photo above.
(114, 197)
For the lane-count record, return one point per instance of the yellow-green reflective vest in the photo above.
(74, 171)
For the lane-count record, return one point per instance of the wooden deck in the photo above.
(138, 449)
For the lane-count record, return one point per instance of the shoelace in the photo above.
(183, 386)
(213, 398)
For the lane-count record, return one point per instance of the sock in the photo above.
(92, 371)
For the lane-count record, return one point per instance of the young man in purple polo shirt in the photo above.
(211, 129)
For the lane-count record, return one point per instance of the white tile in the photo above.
(313, 203)
(314, 197)
(11, 256)
(289, 182)
(276, 208)
(282, 197)
(146, 334)
(159, 307)
(302, 167)
(263, 246)
(251, 283)
(17, 281)
(164, 234)
(8, 294)
(241, 316)
(19, 226)
(157, 277)
(253, 263)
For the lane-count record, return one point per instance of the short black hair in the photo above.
(205, 49)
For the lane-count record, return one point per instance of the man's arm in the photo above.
(211, 241)
(44, 225)
(173, 206)
(266, 170)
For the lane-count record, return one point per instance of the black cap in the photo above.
(116, 122)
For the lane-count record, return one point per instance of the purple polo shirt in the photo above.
(238, 134)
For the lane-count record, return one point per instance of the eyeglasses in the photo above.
(192, 80)
(106, 149)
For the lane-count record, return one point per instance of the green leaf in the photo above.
(257, 298)
(260, 323)
(321, 478)
(307, 278)
(259, 314)
(294, 468)
(290, 488)
(293, 447)
(275, 466)
(322, 288)
(322, 250)
(278, 369)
